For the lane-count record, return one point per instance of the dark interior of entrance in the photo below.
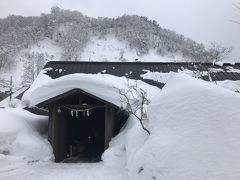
(85, 138)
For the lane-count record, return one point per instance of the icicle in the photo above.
(83, 113)
(77, 113)
(71, 112)
(88, 113)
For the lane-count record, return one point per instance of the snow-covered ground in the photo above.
(15, 169)
(195, 132)
(26, 154)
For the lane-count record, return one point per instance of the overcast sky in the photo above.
(202, 20)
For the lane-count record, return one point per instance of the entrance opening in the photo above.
(81, 126)
(85, 136)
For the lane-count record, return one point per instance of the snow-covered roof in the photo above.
(136, 70)
(104, 87)
(104, 79)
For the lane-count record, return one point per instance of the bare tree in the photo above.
(136, 102)
(4, 84)
(32, 66)
(218, 53)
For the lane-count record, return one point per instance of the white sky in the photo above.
(202, 20)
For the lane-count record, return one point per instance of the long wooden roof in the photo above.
(134, 70)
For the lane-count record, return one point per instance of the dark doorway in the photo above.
(81, 126)
(86, 132)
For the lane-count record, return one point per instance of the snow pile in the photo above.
(231, 85)
(164, 77)
(221, 63)
(115, 155)
(195, 132)
(125, 144)
(156, 76)
(103, 86)
(19, 136)
(14, 102)
(233, 70)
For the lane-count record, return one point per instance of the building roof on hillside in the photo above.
(136, 70)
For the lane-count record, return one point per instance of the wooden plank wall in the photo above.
(59, 134)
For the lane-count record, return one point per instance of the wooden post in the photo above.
(109, 119)
(11, 88)
(59, 134)
(50, 124)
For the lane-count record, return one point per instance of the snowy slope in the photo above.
(111, 49)
(50, 50)
(49, 47)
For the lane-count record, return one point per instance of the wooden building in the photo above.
(81, 124)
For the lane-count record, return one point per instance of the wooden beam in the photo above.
(74, 106)
(64, 95)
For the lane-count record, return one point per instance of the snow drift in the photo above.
(195, 132)
(19, 135)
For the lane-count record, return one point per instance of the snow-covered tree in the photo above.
(33, 64)
(71, 30)
(217, 52)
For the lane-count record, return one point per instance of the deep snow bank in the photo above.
(195, 132)
(19, 135)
